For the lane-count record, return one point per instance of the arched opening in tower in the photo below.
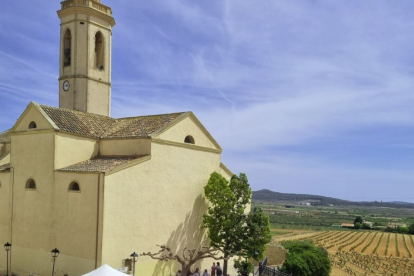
(67, 45)
(99, 51)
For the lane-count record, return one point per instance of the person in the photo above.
(213, 269)
(218, 269)
(179, 273)
(205, 273)
(196, 272)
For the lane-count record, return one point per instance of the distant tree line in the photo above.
(271, 197)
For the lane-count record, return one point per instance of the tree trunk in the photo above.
(225, 264)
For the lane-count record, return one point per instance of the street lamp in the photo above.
(55, 253)
(134, 257)
(7, 247)
(255, 257)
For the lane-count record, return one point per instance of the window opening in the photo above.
(74, 186)
(189, 139)
(67, 46)
(99, 51)
(32, 125)
(31, 184)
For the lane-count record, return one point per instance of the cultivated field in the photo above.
(362, 253)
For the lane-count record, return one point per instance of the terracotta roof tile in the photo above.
(98, 126)
(5, 136)
(4, 155)
(101, 164)
(5, 167)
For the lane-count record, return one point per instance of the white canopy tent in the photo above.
(105, 270)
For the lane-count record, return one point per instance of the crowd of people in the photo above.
(216, 270)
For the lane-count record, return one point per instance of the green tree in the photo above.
(243, 267)
(230, 228)
(306, 259)
(358, 225)
(358, 219)
(411, 229)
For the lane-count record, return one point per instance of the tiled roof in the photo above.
(4, 155)
(101, 164)
(5, 167)
(99, 126)
(5, 136)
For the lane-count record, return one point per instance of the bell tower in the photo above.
(85, 56)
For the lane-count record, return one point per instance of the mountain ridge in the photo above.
(269, 196)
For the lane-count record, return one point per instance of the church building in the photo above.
(95, 187)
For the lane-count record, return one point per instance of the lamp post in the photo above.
(55, 253)
(134, 257)
(7, 247)
(257, 262)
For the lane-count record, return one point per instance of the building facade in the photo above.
(95, 187)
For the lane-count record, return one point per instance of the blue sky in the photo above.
(304, 96)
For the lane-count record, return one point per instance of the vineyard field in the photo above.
(363, 253)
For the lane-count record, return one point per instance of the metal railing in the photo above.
(271, 271)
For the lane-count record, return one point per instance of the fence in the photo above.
(270, 271)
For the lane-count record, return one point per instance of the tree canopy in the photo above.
(358, 219)
(306, 259)
(229, 226)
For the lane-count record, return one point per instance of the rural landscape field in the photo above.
(378, 250)
(361, 252)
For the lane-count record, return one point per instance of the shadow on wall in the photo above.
(188, 234)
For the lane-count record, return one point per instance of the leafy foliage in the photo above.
(358, 219)
(306, 259)
(411, 229)
(243, 267)
(229, 227)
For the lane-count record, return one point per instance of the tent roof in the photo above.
(105, 270)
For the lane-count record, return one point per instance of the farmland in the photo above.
(361, 253)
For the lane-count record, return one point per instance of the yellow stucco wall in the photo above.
(80, 149)
(187, 126)
(125, 147)
(32, 114)
(157, 202)
(32, 157)
(5, 205)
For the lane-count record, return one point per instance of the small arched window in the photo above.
(74, 186)
(189, 139)
(67, 48)
(32, 125)
(99, 51)
(31, 184)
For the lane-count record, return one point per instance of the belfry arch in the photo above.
(99, 50)
(67, 48)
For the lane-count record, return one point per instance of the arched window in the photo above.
(189, 139)
(99, 51)
(32, 125)
(74, 186)
(67, 48)
(31, 184)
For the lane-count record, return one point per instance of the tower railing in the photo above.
(86, 3)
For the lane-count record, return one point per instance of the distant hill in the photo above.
(274, 197)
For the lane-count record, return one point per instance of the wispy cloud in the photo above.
(264, 78)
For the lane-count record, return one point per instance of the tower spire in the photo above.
(85, 56)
